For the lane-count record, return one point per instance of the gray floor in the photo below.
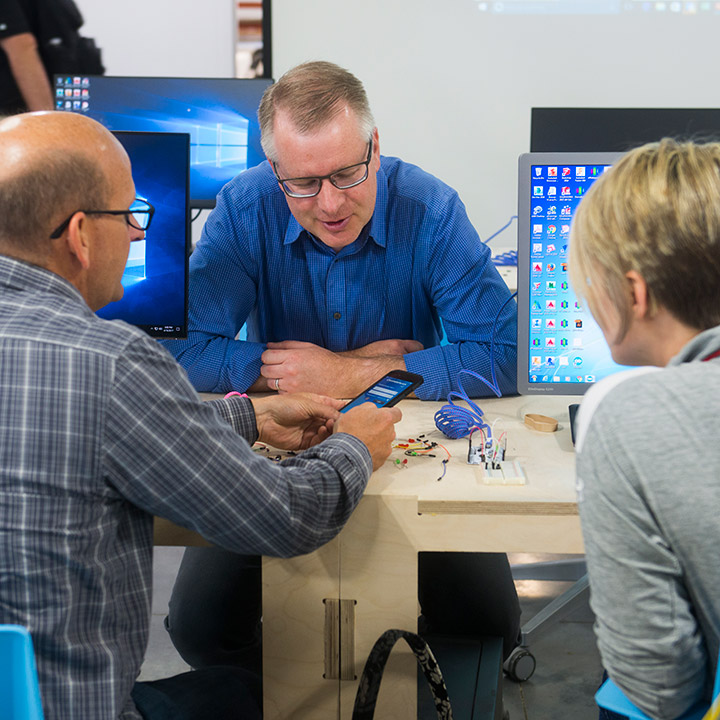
(568, 667)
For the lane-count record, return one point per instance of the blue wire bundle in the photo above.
(455, 421)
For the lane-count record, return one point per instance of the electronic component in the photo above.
(506, 472)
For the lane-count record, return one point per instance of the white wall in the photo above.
(180, 38)
(451, 88)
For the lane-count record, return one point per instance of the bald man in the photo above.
(100, 430)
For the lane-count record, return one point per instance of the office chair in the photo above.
(612, 698)
(19, 691)
(520, 664)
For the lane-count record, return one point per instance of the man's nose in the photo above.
(330, 199)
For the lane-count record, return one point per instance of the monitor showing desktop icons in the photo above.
(561, 349)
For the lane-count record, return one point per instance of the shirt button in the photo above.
(337, 316)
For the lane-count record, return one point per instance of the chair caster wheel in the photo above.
(520, 665)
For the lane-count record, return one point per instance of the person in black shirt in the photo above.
(24, 84)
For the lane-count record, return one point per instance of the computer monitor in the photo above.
(220, 114)
(562, 129)
(561, 349)
(156, 275)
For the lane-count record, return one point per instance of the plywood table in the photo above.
(322, 612)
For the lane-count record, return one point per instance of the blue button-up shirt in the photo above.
(418, 267)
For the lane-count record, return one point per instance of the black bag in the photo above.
(369, 686)
(62, 48)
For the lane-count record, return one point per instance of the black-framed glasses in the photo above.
(343, 179)
(138, 216)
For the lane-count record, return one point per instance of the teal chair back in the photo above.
(612, 698)
(19, 691)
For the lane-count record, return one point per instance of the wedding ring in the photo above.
(277, 384)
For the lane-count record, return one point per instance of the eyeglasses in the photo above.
(138, 216)
(347, 177)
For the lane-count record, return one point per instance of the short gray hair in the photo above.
(36, 200)
(313, 94)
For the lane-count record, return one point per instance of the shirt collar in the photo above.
(23, 275)
(702, 345)
(376, 227)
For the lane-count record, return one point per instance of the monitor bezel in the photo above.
(195, 203)
(182, 334)
(525, 161)
(617, 129)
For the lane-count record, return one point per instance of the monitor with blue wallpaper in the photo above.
(155, 280)
(220, 114)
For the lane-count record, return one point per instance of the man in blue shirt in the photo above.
(344, 277)
(343, 263)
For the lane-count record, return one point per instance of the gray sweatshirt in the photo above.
(648, 480)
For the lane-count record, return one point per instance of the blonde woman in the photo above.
(645, 255)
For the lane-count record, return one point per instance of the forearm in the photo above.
(183, 462)
(218, 364)
(238, 412)
(28, 70)
(441, 365)
(364, 371)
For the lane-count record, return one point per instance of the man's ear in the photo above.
(640, 306)
(78, 240)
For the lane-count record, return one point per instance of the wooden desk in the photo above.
(323, 611)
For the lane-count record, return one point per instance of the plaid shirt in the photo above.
(99, 431)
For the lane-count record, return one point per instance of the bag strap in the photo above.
(371, 677)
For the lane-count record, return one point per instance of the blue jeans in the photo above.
(216, 604)
(219, 693)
